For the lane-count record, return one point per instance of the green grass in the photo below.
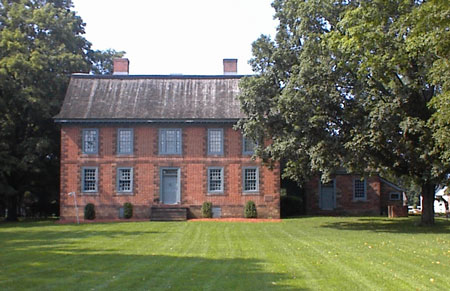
(311, 253)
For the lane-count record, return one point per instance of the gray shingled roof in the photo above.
(151, 98)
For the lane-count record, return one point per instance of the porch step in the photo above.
(168, 213)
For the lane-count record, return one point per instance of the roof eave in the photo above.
(143, 121)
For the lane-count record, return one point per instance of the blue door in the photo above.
(170, 187)
(327, 196)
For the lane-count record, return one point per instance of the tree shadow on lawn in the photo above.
(67, 267)
(63, 260)
(396, 225)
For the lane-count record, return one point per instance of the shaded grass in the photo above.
(311, 253)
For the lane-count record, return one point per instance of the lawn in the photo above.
(310, 253)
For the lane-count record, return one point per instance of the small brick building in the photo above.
(350, 194)
(159, 141)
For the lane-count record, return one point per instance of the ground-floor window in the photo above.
(89, 182)
(250, 177)
(215, 180)
(359, 189)
(125, 180)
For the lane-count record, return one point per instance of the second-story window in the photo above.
(215, 141)
(170, 141)
(248, 145)
(125, 141)
(90, 141)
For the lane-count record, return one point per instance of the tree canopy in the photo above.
(354, 84)
(41, 44)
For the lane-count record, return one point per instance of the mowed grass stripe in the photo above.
(357, 255)
(315, 253)
(324, 252)
(293, 257)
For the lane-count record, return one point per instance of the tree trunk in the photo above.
(428, 204)
(12, 209)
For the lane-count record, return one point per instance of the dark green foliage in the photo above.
(127, 210)
(291, 206)
(207, 209)
(89, 211)
(41, 44)
(250, 210)
(102, 61)
(359, 85)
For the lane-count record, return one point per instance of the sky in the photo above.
(178, 36)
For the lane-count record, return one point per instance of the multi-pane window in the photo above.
(125, 180)
(215, 180)
(90, 141)
(250, 179)
(125, 141)
(89, 181)
(248, 146)
(215, 141)
(394, 196)
(170, 141)
(359, 189)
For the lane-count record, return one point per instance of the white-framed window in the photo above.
(125, 139)
(250, 179)
(89, 141)
(170, 141)
(125, 180)
(395, 196)
(215, 180)
(215, 141)
(248, 145)
(89, 179)
(359, 189)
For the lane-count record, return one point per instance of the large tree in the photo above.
(41, 44)
(348, 84)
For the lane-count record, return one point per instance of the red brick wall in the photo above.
(345, 202)
(385, 197)
(146, 163)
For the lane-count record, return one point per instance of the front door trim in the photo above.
(161, 184)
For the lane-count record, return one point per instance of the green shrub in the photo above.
(89, 211)
(250, 210)
(127, 210)
(291, 206)
(207, 209)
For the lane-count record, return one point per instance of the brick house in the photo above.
(161, 143)
(167, 143)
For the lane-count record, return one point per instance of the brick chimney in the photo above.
(121, 66)
(230, 66)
